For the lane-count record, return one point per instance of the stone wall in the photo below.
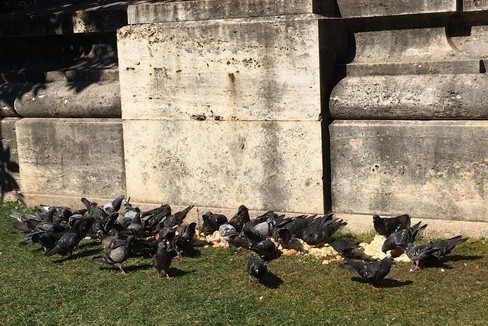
(360, 106)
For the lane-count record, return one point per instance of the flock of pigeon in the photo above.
(161, 235)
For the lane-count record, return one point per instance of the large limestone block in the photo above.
(448, 96)
(149, 12)
(239, 69)
(262, 164)
(71, 157)
(429, 169)
(378, 8)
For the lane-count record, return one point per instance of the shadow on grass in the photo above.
(192, 254)
(77, 255)
(176, 272)
(385, 283)
(271, 280)
(460, 258)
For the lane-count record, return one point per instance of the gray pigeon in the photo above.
(255, 267)
(227, 233)
(370, 271)
(117, 256)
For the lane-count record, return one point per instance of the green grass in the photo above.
(212, 289)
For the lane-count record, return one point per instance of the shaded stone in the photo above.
(71, 157)
(70, 99)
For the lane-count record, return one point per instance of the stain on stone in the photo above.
(272, 193)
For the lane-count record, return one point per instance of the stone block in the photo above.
(428, 169)
(74, 99)
(457, 96)
(378, 8)
(168, 11)
(70, 157)
(474, 5)
(245, 69)
(275, 165)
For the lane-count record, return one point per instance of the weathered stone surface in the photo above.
(374, 8)
(472, 66)
(400, 97)
(259, 69)
(262, 164)
(405, 45)
(428, 169)
(71, 157)
(474, 44)
(224, 9)
(9, 162)
(70, 99)
(474, 5)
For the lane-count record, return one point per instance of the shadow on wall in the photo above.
(7, 168)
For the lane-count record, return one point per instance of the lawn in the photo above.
(212, 289)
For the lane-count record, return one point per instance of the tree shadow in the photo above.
(271, 280)
(8, 167)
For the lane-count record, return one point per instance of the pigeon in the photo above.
(444, 247)
(183, 242)
(162, 259)
(370, 271)
(212, 222)
(344, 246)
(67, 243)
(177, 218)
(419, 254)
(227, 233)
(240, 219)
(266, 249)
(401, 238)
(386, 226)
(263, 224)
(255, 267)
(432, 252)
(321, 229)
(114, 205)
(117, 256)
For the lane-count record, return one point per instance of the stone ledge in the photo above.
(173, 11)
(377, 8)
(474, 5)
(472, 66)
(446, 96)
(76, 99)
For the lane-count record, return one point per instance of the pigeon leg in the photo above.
(121, 269)
(416, 268)
(249, 281)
